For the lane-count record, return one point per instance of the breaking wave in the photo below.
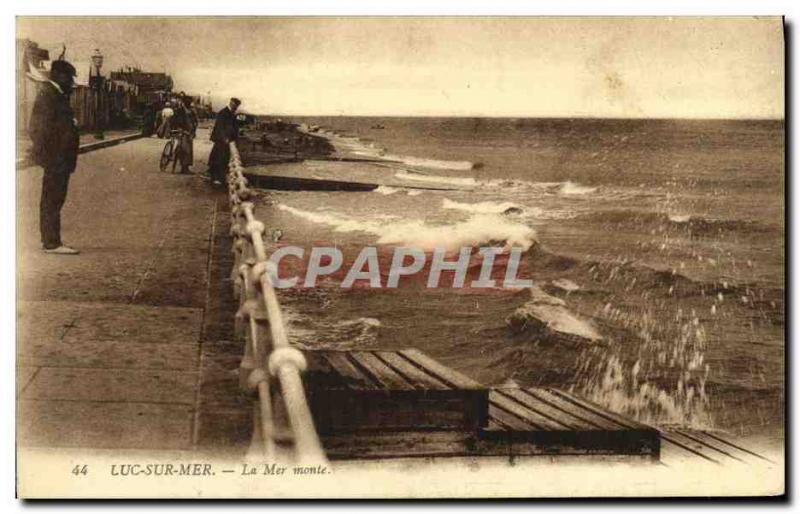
(431, 163)
(567, 188)
(386, 190)
(480, 207)
(571, 188)
(437, 179)
(477, 230)
(507, 209)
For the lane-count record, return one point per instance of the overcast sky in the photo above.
(602, 67)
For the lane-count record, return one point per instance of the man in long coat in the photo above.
(226, 129)
(184, 120)
(54, 134)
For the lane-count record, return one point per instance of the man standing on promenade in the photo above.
(226, 129)
(54, 133)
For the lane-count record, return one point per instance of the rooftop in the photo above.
(144, 79)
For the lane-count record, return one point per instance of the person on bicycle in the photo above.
(185, 122)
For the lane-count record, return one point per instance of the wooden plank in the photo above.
(672, 453)
(376, 410)
(688, 446)
(397, 444)
(712, 450)
(546, 410)
(600, 411)
(320, 373)
(413, 374)
(498, 415)
(317, 362)
(494, 425)
(743, 453)
(380, 372)
(363, 392)
(523, 413)
(448, 376)
(586, 416)
(355, 379)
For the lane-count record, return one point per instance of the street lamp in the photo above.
(97, 62)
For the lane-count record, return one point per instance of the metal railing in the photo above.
(283, 427)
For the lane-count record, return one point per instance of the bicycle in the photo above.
(171, 150)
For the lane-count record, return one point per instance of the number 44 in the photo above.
(80, 469)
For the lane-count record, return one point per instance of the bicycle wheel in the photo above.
(166, 156)
(176, 155)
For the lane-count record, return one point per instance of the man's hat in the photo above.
(61, 66)
(236, 101)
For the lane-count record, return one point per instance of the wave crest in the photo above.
(475, 231)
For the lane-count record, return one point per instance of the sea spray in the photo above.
(661, 381)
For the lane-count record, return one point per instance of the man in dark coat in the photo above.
(185, 120)
(54, 134)
(226, 129)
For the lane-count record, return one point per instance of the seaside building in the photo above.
(146, 87)
(30, 62)
(115, 101)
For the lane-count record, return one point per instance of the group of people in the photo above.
(55, 136)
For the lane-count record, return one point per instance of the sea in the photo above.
(667, 236)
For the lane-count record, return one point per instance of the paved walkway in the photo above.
(111, 346)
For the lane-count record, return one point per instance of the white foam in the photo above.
(431, 163)
(680, 218)
(480, 207)
(564, 188)
(508, 183)
(386, 190)
(369, 153)
(367, 322)
(566, 284)
(571, 188)
(477, 230)
(503, 207)
(437, 179)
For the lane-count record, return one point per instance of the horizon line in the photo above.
(542, 117)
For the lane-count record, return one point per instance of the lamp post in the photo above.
(97, 62)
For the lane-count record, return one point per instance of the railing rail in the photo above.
(283, 426)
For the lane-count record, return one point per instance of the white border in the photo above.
(322, 7)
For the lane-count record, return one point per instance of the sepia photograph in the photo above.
(400, 257)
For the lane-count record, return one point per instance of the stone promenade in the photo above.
(125, 346)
